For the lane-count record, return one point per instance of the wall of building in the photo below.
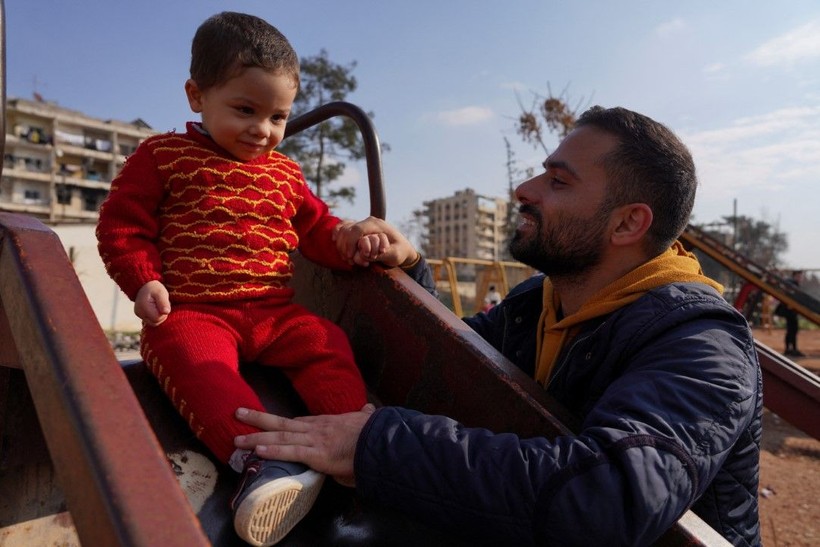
(58, 163)
(465, 225)
(113, 309)
(57, 166)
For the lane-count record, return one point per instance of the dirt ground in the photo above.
(790, 463)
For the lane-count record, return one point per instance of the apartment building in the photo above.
(466, 225)
(58, 166)
(59, 163)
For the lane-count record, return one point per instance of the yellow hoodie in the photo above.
(674, 265)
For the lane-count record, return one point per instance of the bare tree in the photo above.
(322, 150)
(547, 115)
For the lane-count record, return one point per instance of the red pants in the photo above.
(195, 355)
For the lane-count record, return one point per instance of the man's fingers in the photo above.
(283, 438)
(268, 422)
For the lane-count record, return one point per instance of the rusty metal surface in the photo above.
(117, 483)
(790, 391)
(337, 518)
(8, 351)
(415, 353)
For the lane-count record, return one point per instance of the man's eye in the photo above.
(557, 182)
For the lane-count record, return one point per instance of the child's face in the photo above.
(247, 114)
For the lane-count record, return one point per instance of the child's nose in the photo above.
(261, 129)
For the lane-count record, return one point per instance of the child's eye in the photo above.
(278, 118)
(245, 110)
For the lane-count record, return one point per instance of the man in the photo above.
(624, 330)
(792, 319)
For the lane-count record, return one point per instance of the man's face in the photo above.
(564, 216)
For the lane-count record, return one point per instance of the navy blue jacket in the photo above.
(668, 391)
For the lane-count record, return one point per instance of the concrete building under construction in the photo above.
(466, 225)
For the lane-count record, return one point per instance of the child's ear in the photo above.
(194, 95)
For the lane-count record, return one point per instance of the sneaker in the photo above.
(272, 497)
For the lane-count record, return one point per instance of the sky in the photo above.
(737, 80)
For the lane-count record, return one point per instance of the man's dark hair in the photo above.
(650, 165)
(229, 42)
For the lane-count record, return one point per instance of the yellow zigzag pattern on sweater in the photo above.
(227, 231)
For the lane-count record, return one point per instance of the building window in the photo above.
(63, 194)
(32, 196)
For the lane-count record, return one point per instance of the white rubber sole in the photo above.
(273, 509)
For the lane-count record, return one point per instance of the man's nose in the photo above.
(523, 191)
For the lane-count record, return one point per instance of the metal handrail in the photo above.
(2, 80)
(372, 147)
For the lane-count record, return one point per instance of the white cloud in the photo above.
(799, 44)
(672, 27)
(759, 153)
(469, 115)
(714, 68)
(716, 72)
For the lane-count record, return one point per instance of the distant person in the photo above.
(624, 330)
(491, 299)
(767, 308)
(792, 319)
(198, 231)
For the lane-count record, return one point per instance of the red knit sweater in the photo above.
(209, 227)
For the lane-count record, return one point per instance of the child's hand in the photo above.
(345, 240)
(356, 246)
(370, 248)
(350, 238)
(152, 303)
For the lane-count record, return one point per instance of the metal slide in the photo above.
(92, 449)
(790, 390)
(98, 452)
(766, 281)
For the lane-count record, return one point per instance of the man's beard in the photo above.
(568, 247)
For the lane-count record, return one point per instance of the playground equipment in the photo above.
(754, 274)
(789, 390)
(109, 452)
(91, 444)
(93, 453)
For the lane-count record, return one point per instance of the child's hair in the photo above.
(229, 42)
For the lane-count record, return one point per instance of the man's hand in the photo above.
(373, 239)
(325, 443)
(152, 303)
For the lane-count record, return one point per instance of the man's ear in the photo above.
(194, 95)
(632, 221)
